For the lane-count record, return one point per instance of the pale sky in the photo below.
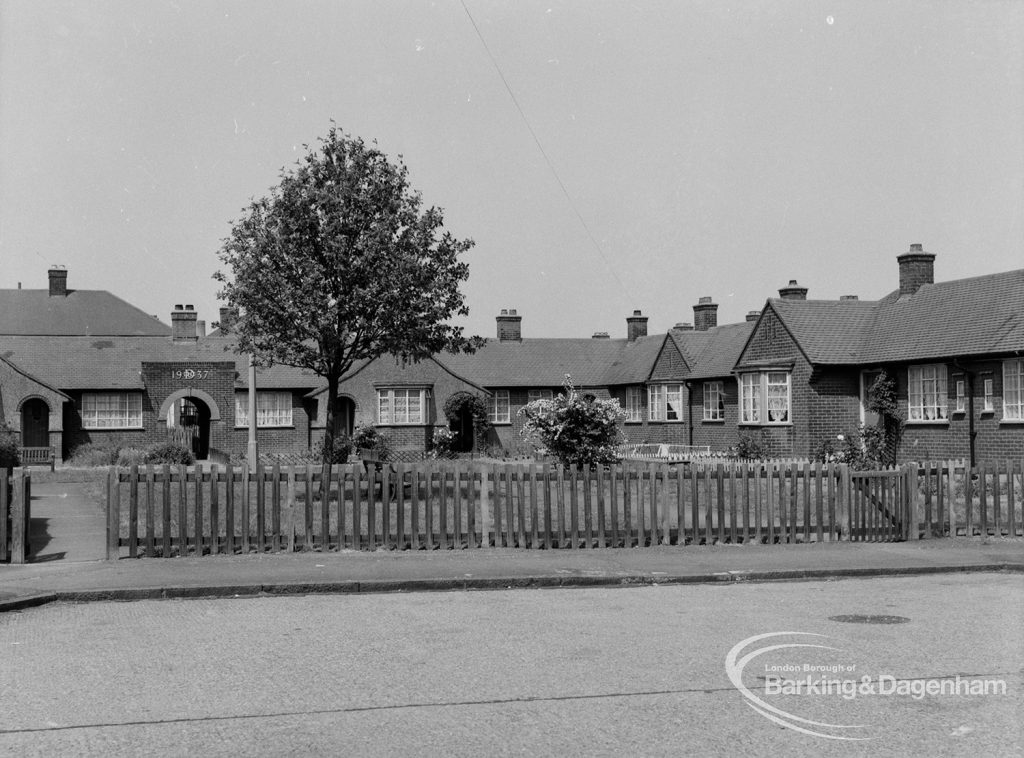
(704, 147)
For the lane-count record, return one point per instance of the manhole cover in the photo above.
(859, 618)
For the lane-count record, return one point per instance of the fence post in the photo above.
(912, 504)
(113, 514)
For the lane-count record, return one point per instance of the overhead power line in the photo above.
(544, 153)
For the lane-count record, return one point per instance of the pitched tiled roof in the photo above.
(115, 362)
(719, 350)
(977, 316)
(81, 312)
(635, 360)
(545, 362)
(828, 331)
(980, 315)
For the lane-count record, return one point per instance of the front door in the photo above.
(35, 424)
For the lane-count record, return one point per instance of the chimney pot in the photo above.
(917, 268)
(636, 326)
(705, 314)
(58, 281)
(510, 326)
(793, 291)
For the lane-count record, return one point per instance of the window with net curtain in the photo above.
(402, 405)
(272, 409)
(765, 397)
(112, 410)
(926, 393)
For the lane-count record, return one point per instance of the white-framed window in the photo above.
(988, 396)
(714, 402)
(961, 396)
(272, 409)
(498, 409)
(665, 402)
(540, 395)
(112, 410)
(634, 403)
(927, 394)
(402, 405)
(765, 397)
(1013, 389)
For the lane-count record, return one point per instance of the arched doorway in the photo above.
(35, 423)
(191, 416)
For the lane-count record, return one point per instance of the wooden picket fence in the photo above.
(175, 511)
(957, 500)
(15, 514)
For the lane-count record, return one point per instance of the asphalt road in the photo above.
(578, 672)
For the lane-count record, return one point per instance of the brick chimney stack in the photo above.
(183, 323)
(682, 326)
(510, 326)
(793, 291)
(58, 281)
(917, 268)
(227, 320)
(753, 315)
(636, 326)
(705, 315)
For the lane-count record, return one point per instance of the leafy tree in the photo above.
(574, 428)
(341, 263)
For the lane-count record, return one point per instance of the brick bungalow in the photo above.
(80, 366)
(85, 366)
(955, 350)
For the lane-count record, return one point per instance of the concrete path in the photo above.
(391, 571)
(67, 524)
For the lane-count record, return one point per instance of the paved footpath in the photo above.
(68, 549)
(391, 571)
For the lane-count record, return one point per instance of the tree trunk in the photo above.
(331, 425)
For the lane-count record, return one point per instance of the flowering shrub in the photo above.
(443, 443)
(573, 428)
(864, 448)
(338, 453)
(368, 438)
(749, 448)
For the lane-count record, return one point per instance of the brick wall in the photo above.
(290, 439)
(995, 439)
(833, 406)
(718, 435)
(771, 341)
(216, 379)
